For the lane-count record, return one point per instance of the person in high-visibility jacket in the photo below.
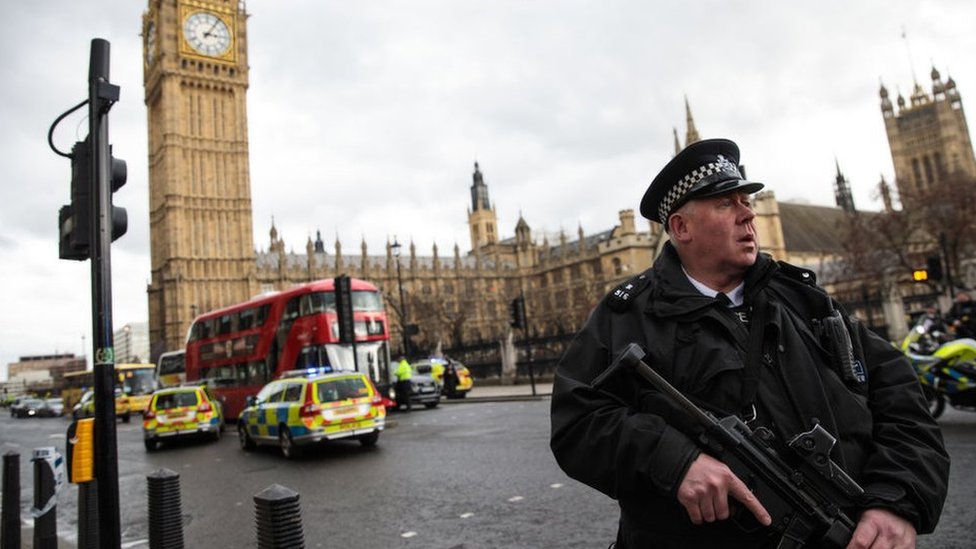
(403, 373)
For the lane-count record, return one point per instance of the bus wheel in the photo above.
(288, 448)
(244, 438)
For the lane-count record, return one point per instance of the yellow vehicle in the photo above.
(138, 381)
(306, 408)
(86, 406)
(180, 412)
(435, 367)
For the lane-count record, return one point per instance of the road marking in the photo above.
(134, 543)
(557, 485)
(55, 436)
(467, 515)
(408, 534)
(515, 498)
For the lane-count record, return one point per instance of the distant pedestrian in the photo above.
(403, 373)
(450, 378)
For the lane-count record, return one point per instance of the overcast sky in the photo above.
(365, 119)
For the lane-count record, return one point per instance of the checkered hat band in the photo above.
(680, 189)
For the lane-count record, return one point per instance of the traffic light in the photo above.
(920, 275)
(74, 220)
(118, 174)
(933, 264)
(516, 313)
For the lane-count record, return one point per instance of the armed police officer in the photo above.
(739, 334)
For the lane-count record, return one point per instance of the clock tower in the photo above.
(196, 79)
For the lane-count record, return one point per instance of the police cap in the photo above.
(704, 168)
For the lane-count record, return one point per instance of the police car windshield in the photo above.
(341, 389)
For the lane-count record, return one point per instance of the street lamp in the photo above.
(395, 247)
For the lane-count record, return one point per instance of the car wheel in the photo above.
(288, 448)
(244, 438)
(151, 444)
(370, 439)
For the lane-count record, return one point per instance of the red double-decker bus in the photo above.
(238, 349)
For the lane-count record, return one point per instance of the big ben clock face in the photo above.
(207, 34)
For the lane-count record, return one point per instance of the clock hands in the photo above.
(212, 27)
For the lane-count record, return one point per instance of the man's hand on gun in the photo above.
(705, 491)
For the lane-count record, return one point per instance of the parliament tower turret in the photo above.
(928, 137)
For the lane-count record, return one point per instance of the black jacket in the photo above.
(623, 440)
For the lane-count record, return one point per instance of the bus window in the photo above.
(257, 373)
(206, 329)
(246, 320)
(312, 356)
(366, 301)
(291, 309)
(241, 371)
(224, 325)
(262, 315)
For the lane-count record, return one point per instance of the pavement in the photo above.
(499, 393)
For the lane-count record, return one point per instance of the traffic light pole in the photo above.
(528, 343)
(101, 96)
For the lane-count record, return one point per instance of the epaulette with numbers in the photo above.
(623, 295)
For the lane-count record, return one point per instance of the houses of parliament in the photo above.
(203, 253)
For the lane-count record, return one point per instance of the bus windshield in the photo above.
(137, 381)
(324, 302)
(171, 369)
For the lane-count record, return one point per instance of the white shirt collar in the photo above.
(736, 296)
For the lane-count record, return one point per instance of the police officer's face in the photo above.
(717, 232)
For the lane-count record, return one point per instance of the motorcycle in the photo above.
(946, 367)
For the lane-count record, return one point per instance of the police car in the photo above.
(435, 368)
(180, 412)
(308, 406)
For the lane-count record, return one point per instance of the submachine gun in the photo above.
(804, 495)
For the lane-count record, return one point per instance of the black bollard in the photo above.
(88, 515)
(165, 514)
(10, 522)
(45, 510)
(279, 518)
